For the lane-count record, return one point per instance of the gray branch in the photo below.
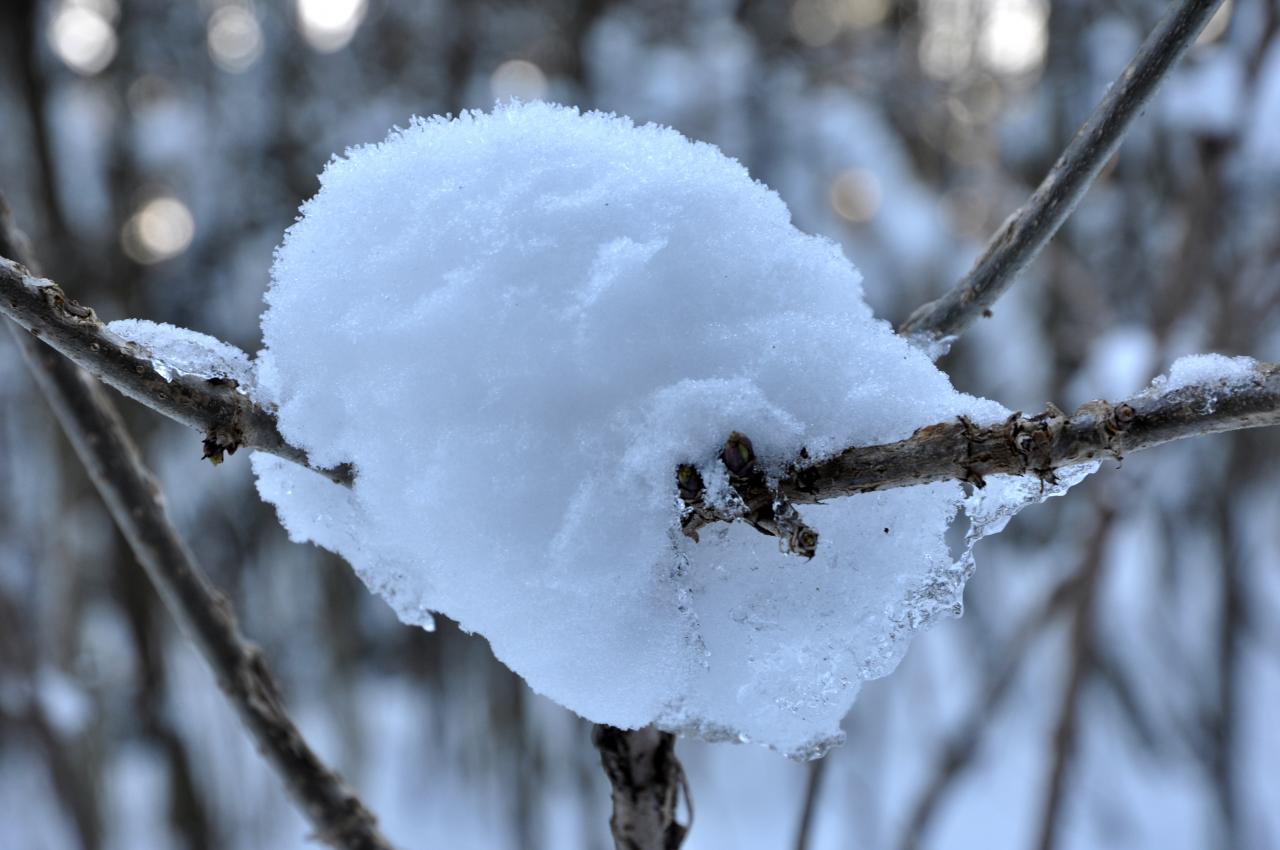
(131, 494)
(1024, 233)
(961, 450)
(217, 408)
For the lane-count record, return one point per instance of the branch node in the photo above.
(739, 455)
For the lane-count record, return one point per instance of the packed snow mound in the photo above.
(515, 326)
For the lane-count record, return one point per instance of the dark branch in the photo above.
(1022, 236)
(1021, 445)
(216, 408)
(809, 808)
(647, 780)
(131, 494)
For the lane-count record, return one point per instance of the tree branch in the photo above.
(1024, 233)
(111, 458)
(1021, 445)
(647, 780)
(217, 408)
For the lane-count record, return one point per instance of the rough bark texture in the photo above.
(226, 417)
(647, 780)
(131, 494)
(1025, 232)
(1021, 445)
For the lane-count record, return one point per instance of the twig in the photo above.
(1021, 445)
(1025, 232)
(1225, 719)
(217, 408)
(1081, 667)
(131, 494)
(647, 780)
(809, 809)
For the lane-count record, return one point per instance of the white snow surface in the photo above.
(178, 351)
(1203, 369)
(515, 325)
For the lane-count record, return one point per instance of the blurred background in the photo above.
(1116, 676)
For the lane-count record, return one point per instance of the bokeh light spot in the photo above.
(234, 38)
(1014, 36)
(518, 78)
(161, 229)
(856, 195)
(82, 35)
(1217, 25)
(328, 25)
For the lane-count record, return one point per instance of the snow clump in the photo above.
(515, 326)
(177, 351)
(1196, 369)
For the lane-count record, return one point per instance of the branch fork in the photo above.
(215, 407)
(759, 502)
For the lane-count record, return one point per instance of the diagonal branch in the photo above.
(217, 408)
(1021, 445)
(1024, 233)
(111, 458)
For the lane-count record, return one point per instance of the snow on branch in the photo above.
(133, 497)
(1024, 233)
(217, 407)
(1241, 397)
(527, 407)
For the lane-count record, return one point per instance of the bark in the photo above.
(217, 408)
(647, 780)
(1021, 445)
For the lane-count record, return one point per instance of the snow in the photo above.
(516, 325)
(1196, 369)
(178, 351)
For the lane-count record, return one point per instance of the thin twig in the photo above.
(131, 494)
(217, 408)
(1081, 667)
(1021, 445)
(646, 780)
(809, 808)
(1025, 232)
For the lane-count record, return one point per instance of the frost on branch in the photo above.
(178, 351)
(517, 327)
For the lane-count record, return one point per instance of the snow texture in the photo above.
(515, 325)
(1196, 369)
(177, 351)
